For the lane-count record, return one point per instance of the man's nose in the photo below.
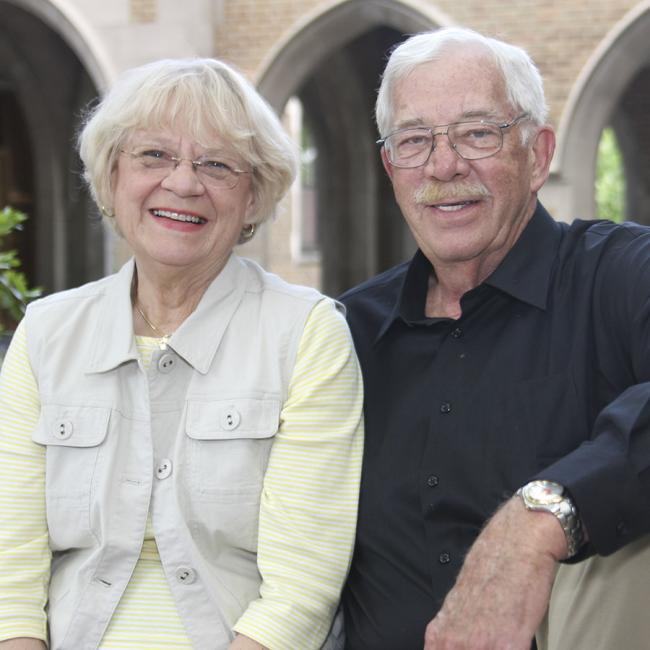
(443, 162)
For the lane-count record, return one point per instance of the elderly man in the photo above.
(507, 369)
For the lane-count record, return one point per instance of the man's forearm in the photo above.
(504, 586)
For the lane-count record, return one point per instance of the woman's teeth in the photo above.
(177, 216)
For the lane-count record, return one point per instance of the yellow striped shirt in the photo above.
(307, 514)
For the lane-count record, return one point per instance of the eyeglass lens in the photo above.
(471, 140)
(217, 171)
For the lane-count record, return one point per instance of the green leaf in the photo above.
(15, 291)
(610, 178)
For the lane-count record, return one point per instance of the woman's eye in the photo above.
(154, 153)
(216, 164)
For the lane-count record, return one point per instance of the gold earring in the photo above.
(248, 231)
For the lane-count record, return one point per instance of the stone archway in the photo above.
(611, 91)
(332, 62)
(43, 91)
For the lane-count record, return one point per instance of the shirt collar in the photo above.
(199, 337)
(524, 273)
(114, 339)
(196, 340)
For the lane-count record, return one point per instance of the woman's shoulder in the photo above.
(88, 291)
(260, 280)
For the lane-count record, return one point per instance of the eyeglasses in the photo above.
(212, 170)
(412, 146)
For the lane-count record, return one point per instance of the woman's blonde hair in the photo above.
(204, 97)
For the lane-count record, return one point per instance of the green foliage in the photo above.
(610, 178)
(15, 293)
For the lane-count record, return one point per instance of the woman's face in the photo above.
(176, 217)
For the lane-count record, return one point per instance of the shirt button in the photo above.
(166, 363)
(230, 419)
(444, 558)
(445, 407)
(185, 575)
(457, 333)
(621, 529)
(63, 429)
(432, 481)
(164, 468)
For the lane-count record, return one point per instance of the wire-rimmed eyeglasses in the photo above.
(411, 147)
(217, 171)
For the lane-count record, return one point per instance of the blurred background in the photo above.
(318, 63)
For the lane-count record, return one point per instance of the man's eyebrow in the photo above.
(405, 124)
(468, 116)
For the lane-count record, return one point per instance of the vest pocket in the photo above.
(73, 436)
(230, 442)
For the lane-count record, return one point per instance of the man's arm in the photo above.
(504, 586)
(503, 589)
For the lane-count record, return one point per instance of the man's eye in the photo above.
(413, 140)
(479, 133)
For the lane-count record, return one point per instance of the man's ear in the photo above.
(387, 166)
(542, 152)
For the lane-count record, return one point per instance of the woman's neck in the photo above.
(163, 301)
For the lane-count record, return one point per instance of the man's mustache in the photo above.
(450, 192)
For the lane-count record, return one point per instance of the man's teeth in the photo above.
(177, 216)
(452, 207)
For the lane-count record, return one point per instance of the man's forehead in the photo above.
(449, 90)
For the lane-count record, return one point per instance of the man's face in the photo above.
(466, 210)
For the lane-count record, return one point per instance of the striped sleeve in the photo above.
(309, 502)
(24, 552)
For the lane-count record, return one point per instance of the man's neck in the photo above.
(443, 298)
(450, 282)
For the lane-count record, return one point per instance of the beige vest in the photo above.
(188, 440)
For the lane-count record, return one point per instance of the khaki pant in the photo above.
(601, 604)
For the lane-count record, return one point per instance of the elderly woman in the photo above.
(181, 441)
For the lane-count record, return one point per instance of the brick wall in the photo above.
(559, 35)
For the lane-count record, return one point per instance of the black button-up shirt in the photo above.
(544, 375)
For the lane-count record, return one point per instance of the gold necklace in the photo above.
(163, 338)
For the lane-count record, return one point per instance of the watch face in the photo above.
(544, 492)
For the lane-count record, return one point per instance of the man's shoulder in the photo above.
(601, 237)
(386, 283)
(370, 304)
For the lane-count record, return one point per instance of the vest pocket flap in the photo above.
(72, 426)
(231, 419)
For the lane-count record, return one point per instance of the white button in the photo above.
(230, 418)
(62, 429)
(164, 468)
(166, 363)
(185, 575)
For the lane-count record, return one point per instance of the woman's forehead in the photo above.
(176, 135)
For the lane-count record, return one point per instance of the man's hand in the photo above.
(504, 586)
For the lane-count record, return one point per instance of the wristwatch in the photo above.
(548, 496)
